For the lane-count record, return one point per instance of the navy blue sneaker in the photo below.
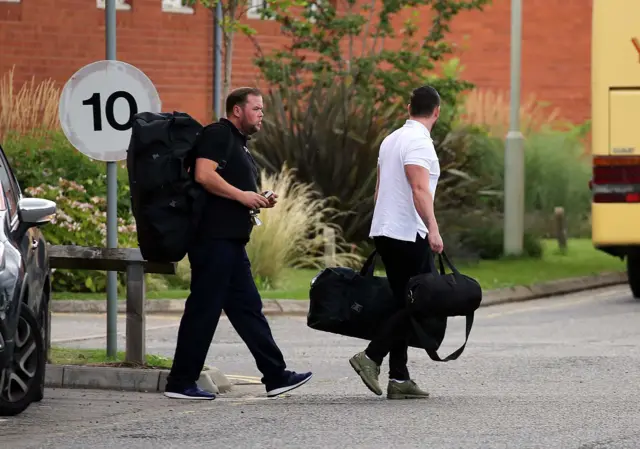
(193, 393)
(291, 381)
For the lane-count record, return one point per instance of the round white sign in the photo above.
(97, 106)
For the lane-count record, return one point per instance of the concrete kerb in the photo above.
(126, 379)
(301, 307)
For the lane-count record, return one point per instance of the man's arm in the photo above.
(210, 151)
(418, 178)
(207, 177)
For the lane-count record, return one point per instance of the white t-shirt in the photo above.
(395, 214)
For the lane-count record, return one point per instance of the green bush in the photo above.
(80, 220)
(486, 242)
(557, 174)
(331, 139)
(45, 157)
(47, 166)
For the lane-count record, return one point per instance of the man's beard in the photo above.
(250, 129)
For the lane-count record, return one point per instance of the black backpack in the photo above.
(166, 202)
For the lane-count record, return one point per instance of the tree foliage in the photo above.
(351, 39)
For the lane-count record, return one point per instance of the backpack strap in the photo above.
(227, 154)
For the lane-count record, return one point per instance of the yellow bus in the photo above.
(615, 115)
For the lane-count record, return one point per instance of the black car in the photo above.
(24, 294)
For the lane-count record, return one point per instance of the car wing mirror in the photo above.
(35, 212)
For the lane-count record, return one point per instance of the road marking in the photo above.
(253, 380)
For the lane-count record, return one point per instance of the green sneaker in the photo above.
(405, 390)
(368, 371)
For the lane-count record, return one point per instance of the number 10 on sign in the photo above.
(98, 103)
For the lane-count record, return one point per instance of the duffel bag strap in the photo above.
(369, 265)
(431, 262)
(433, 354)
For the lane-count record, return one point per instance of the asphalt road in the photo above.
(553, 373)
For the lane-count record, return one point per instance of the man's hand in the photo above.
(254, 200)
(273, 199)
(435, 242)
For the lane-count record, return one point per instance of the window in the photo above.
(120, 5)
(9, 187)
(176, 6)
(255, 8)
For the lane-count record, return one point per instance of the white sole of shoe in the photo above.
(184, 396)
(279, 391)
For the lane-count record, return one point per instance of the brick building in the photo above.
(173, 46)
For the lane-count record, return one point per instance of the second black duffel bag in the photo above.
(438, 294)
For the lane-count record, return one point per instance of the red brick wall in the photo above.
(54, 38)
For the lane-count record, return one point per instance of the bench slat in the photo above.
(103, 259)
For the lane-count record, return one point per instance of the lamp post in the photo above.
(514, 147)
(217, 58)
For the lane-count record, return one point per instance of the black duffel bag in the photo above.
(437, 294)
(354, 303)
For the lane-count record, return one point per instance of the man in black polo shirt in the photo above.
(221, 277)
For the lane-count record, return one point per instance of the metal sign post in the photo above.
(112, 198)
(97, 106)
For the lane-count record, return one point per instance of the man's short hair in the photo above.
(238, 97)
(424, 100)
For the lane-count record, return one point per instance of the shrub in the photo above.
(331, 138)
(43, 157)
(292, 231)
(556, 174)
(80, 220)
(47, 166)
(486, 242)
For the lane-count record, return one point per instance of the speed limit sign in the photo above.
(97, 106)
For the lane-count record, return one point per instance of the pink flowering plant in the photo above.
(80, 220)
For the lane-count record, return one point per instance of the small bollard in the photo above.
(561, 228)
(329, 247)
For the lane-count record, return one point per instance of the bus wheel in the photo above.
(633, 273)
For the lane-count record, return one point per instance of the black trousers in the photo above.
(221, 279)
(401, 260)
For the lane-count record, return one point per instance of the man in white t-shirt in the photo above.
(405, 233)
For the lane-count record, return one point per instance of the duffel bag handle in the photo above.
(441, 256)
(369, 265)
(444, 256)
(432, 263)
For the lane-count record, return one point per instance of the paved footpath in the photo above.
(553, 373)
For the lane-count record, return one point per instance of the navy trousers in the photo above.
(221, 279)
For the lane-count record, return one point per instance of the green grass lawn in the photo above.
(98, 357)
(581, 259)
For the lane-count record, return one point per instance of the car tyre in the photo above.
(633, 273)
(44, 325)
(20, 381)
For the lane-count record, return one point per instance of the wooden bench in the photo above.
(125, 260)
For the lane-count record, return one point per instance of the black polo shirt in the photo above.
(221, 217)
